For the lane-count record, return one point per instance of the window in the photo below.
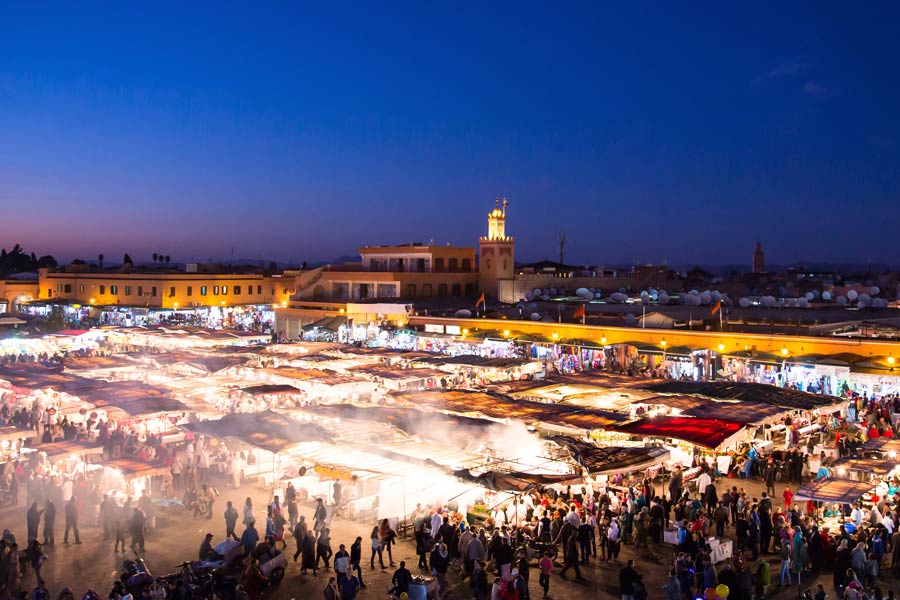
(259, 289)
(454, 265)
(426, 290)
(442, 289)
(102, 289)
(190, 290)
(438, 265)
(81, 289)
(68, 288)
(215, 290)
(224, 290)
(410, 290)
(456, 290)
(58, 288)
(127, 290)
(202, 290)
(153, 291)
(113, 289)
(141, 291)
(237, 290)
(171, 291)
(467, 264)
(250, 290)
(49, 292)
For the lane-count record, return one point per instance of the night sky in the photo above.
(292, 131)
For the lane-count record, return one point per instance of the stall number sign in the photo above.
(434, 328)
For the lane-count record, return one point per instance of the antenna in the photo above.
(562, 248)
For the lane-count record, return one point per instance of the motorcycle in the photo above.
(135, 576)
(534, 549)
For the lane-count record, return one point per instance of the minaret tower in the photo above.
(496, 256)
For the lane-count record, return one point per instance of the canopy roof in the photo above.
(758, 393)
(64, 449)
(709, 433)
(267, 430)
(11, 433)
(829, 489)
(473, 360)
(875, 466)
(132, 468)
(275, 389)
(610, 459)
(497, 406)
(513, 482)
(882, 444)
(397, 374)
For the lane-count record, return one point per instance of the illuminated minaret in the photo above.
(496, 256)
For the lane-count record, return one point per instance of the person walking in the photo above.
(571, 559)
(356, 560)
(628, 580)
(299, 533)
(341, 563)
(308, 555)
(136, 528)
(49, 523)
(323, 548)
(71, 521)
(250, 538)
(231, 517)
(546, 566)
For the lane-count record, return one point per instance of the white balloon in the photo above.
(862, 303)
(465, 313)
(552, 291)
(664, 297)
(803, 303)
(630, 319)
(874, 290)
(826, 295)
(852, 295)
(597, 295)
(809, 296)
(864, 298)
(744, 302)
(535, 316)
(536, 292)
(545, 297)
(842, 300)
(705, 298)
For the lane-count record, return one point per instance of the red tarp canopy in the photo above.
(709, 433)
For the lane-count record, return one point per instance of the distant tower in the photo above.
(562, 248)
(758, 264)
(496, 256)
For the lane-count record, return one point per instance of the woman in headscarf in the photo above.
(841, 564)
(799, 554)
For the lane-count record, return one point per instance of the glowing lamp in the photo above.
(283, 303)
(663, 343)
(506, 333)
(555, 336)
(603, 340)
(784, 351)
(721, 347)
(175, 304)
(891, 360)
(91, 300)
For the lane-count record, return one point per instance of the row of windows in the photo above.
(217, 290)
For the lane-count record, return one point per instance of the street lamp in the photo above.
(603, 340)
(555, 336)
(784, 351)
(891, 360)
(663, 343)
(721, 347)
(91, 300)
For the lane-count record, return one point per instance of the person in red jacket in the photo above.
(788, 496)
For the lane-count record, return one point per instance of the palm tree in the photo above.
(155, 256)
(168, 258)
(100, 259)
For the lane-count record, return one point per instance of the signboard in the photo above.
(434, 328)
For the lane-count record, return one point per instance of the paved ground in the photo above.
(178, 537)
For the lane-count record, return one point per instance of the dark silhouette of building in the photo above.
(758, 264)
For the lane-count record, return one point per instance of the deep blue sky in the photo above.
(676, 131)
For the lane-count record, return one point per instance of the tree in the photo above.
(168, 258)
(127, 260)
(100, 259)
(155, 256)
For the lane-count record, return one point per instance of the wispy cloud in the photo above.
(818, 90)
(781, 70)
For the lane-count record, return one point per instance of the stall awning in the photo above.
(875, 466)
(829, 489)
(611, 459)
(59, 450)
(882, 444)
(748, 392)
(8, 433)
(513, 482)
(133, 469)
(267, 430)
(274, 389)
(709, 433)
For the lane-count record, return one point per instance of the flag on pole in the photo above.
(579, 312)
(717, 306)
(480, 300)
